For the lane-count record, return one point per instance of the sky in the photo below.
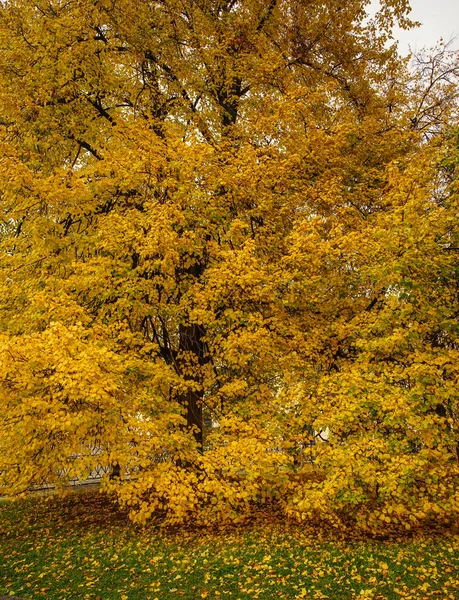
(439, 18)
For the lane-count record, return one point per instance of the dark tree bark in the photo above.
(192, 344)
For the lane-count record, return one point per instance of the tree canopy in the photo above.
(228, 227)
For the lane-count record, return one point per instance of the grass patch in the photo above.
(82, 547)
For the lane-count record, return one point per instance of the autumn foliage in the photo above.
(228, 230)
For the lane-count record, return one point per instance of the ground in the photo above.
(82, 547)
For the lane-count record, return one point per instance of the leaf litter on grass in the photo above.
(82, 546)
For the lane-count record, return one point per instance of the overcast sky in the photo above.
(439, 18)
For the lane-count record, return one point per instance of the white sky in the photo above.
(439, 18)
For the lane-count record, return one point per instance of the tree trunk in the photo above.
(115, 472)
(192, 351)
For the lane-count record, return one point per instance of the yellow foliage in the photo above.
(228, 266)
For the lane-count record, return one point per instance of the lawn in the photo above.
(82, 547)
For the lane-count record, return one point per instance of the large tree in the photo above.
(201, 220)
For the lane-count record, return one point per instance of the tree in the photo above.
(185, 191)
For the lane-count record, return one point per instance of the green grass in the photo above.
(81, 547)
